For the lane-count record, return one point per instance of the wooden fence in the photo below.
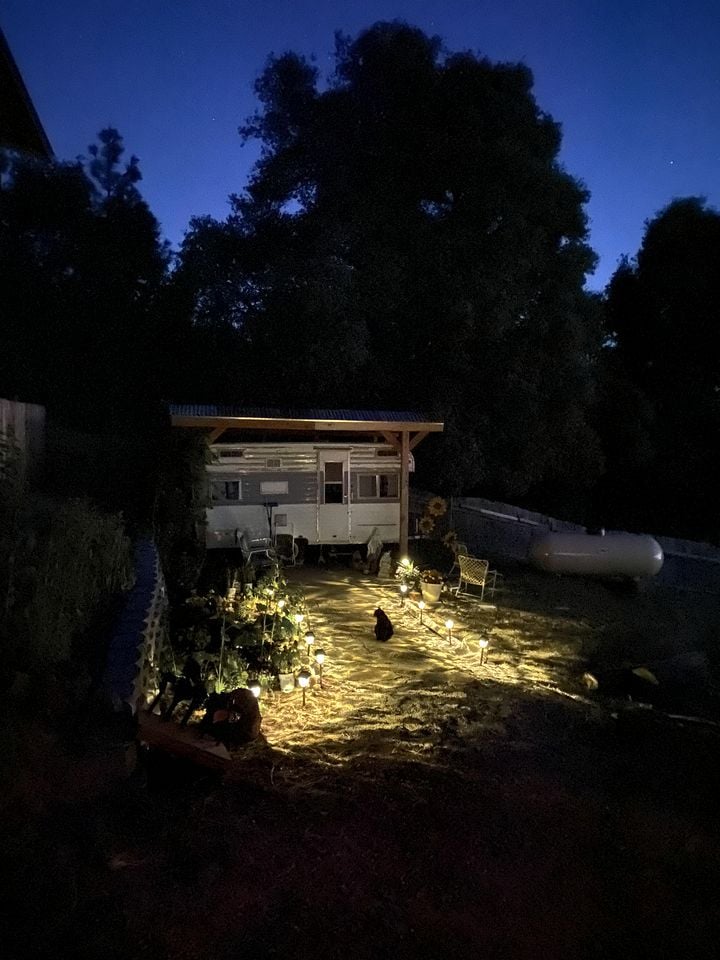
(25, 423)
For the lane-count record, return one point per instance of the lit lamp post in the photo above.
(304, 679)
(403, 593)
(421, 607)
(449, 624)
(320, 660)
(309, 640)
(483, 643)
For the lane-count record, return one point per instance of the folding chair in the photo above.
(258, 551)
(475, 573)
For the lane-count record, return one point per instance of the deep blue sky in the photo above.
(635, 84)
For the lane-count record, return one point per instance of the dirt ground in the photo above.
(426, 805)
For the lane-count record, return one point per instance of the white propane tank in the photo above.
(598, 555)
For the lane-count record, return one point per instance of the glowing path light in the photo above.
(304, 677)
(320, 660)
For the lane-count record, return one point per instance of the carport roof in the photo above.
(265, 418)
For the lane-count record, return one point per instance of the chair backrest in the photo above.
(473, 570)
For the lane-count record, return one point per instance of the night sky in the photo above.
(635, 84)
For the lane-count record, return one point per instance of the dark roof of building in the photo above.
(20, 127)
(268, 413)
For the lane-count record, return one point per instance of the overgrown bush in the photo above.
(60, 564)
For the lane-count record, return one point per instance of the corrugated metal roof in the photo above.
(268, 413)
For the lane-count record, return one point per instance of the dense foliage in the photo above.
(62, 564)
(409, 238)
(660, 410)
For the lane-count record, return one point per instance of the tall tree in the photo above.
(81, 266)
(664, 346)
(82, 263)
(409, 237)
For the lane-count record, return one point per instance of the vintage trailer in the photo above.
(625, 555)
(328, 493)
(327, 476)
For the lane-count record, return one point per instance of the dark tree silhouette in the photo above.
(408, 237)
(664, 351)
(81, 266)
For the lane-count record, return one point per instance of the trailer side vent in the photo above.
(274, 463)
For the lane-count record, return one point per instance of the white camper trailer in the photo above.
(326, 493)
(331, 477)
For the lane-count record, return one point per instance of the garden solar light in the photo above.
(421, 607)
(280, 604)
(449, 624)
(299, 617)
(320, 660)
(403, 591)
(254, 688)
(304, 679)
(309, 640)
(483, 643)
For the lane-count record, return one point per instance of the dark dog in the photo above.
(383, 627)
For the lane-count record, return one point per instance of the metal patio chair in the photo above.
(475, 573)
(257, 551)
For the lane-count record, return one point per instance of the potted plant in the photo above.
(284, 660)
(431, 584)
(407, 573)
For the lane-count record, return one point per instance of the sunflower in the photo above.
(450, 539)
(426, 525)
(436, 507)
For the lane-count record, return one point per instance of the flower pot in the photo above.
(287, 682)
(431, 591)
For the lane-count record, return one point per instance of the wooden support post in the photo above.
(404, 491)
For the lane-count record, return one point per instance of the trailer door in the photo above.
(333, 497)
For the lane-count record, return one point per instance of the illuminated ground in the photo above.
(425, 806)
(408, 697)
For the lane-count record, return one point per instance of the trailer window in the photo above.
(388, 483)
(334, 482)
(277, 487)
(377, 486)
(225, 491)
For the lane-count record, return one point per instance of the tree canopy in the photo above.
(409, 237)
(81, 266)
(664, 354)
